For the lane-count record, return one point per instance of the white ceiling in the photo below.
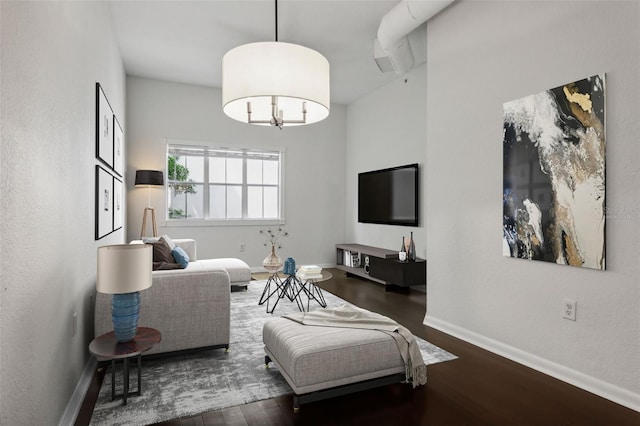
(184, 40)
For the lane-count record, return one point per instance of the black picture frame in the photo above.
(118, 204)
(104, 128)
(104, 202)
(118, 147)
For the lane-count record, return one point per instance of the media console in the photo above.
(380, 265)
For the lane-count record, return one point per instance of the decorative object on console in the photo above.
(554, 175)
(149, 178)
(275, 83)
(411, 252)
(402, 254)
(123, 271)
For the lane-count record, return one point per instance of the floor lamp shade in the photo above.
(123, 271)
(149, 178)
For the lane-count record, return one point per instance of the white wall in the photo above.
(386, 129)
(448, 118)
(52, 55)
(481, 54)
(314, 170)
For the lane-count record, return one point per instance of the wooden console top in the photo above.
(368, 250)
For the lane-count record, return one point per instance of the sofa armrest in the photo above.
(191, 310)
(188, 245)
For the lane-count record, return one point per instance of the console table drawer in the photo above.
(403, 274)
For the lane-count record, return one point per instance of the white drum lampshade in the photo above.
(123, 271)
(275, 83)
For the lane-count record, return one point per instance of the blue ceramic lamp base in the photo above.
(125, 310)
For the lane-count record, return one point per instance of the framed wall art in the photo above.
(118, 204)
(118, 147)
(104, 128)
(104, 202)
(554, 175)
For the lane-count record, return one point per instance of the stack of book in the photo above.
(351, 259)
(309, 272)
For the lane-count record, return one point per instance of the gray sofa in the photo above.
(190, 307)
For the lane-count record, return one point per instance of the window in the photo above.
(223, 184)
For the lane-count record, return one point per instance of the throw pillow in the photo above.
(162, 266)
(162, 252)
(181, 257)
(169, 241)
(149, 240)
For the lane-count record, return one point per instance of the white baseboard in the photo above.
(591, 384)
(75, 403)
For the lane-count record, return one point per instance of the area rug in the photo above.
(210, 380)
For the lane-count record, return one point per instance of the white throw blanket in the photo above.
(353, 317)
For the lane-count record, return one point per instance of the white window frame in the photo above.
(207, 151)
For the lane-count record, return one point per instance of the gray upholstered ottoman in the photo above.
(322, 362)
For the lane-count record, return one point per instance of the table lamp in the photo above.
(149, 178)
(123, 271)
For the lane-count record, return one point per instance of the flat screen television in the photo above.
(389, 196)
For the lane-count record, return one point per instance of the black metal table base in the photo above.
(125, 392)
(293, 289)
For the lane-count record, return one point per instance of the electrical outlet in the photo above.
(74, 324)
(569, 309)
(242, 247)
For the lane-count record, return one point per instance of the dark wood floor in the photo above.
(479, 388)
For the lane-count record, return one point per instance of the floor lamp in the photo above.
(149, 178)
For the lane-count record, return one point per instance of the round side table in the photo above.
(310, 287)
(107, 348)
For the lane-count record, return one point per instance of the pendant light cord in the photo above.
(276, 20)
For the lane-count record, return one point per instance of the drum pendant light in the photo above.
(275, 83)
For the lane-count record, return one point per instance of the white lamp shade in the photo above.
(124, 268)
(257, 71)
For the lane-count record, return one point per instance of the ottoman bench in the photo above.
(323, 362)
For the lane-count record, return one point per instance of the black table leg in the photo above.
(126, 381)
(139, 375)
(113, 379)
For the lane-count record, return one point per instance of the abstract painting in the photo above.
(554, 175)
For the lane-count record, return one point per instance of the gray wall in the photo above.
(480, 55)
(52, 56)
(314, 170)
(387, 128)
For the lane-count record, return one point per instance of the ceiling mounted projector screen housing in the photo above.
(389, 196)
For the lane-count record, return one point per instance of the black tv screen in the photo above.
(389, 196)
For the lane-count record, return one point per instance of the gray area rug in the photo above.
(210, 380)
